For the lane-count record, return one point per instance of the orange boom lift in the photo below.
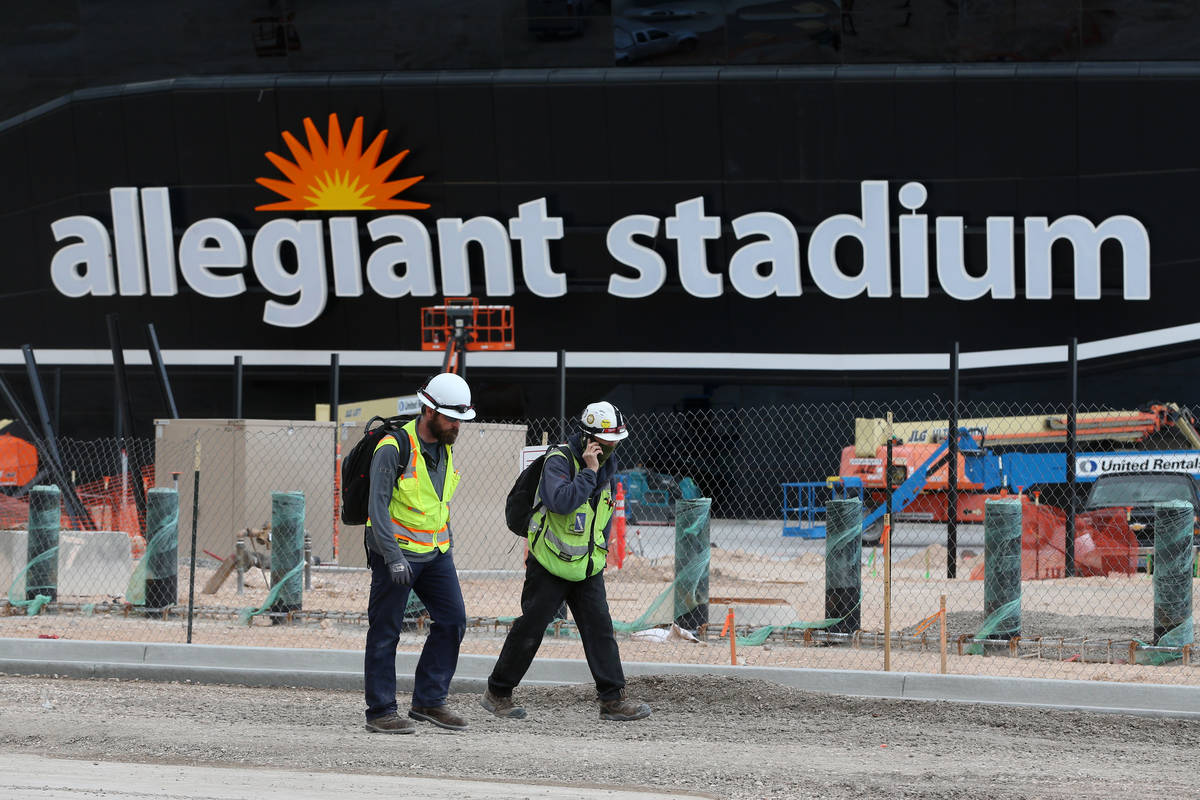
(461, 324)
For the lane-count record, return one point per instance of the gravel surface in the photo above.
(725, 738)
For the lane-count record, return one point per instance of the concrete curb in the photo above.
(342, 670)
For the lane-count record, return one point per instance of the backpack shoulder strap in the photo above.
(391, 427)
(565, 451)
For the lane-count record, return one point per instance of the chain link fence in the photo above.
(765, 536)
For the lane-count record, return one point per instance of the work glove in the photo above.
(400, 573)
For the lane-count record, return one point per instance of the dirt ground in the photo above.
(735, 739)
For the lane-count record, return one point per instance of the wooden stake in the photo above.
(732, 638)
(218, 577)
(943, 637)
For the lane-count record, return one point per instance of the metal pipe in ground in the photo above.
(45, 514)
(843, 564)
(162, 548)
(1002, 568)
(691, 562)
(1172, 578)
(287, 551)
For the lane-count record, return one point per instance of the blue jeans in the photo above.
(436, 584)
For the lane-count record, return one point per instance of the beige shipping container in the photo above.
(242, 461)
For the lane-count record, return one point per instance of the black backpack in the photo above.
(356, 469)
(522, 499)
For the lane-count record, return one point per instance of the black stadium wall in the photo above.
(736, 232)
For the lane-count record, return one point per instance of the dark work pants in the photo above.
(541, 596)
(436, 583)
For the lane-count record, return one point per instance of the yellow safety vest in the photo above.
(415, 507)
(571, 545)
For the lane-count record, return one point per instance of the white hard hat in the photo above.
(604, 421)
(448, 394)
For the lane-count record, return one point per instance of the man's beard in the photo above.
(444, 433)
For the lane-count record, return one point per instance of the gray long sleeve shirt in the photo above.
(386, 466)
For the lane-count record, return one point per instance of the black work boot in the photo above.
(390, 723)
(503, 707)
(440, 716)
(623, 710)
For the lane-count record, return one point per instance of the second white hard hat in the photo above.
(604, 421)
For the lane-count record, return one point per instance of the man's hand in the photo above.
(401, 574)
(591, 455)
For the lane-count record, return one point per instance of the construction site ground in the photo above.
(1071, 627)
(710, 736)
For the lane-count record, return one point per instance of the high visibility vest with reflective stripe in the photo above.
(571, 545)
(415, 507)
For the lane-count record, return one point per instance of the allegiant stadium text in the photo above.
(141, 255)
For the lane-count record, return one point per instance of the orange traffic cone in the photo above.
(619, 526)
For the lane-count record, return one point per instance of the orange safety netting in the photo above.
(110, 502)
(1104, 543)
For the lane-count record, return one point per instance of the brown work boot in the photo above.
(623, 710)
(503, 707)
(440, 716)
(390, 723)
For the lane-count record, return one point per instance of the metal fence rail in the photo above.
(1114, 600)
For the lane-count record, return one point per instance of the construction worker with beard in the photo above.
(568, 548)
(410, 548)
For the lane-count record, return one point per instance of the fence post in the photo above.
(562, 395)
(887, 553)
(195, 528)
(335, 415)
(1071, 448)
(240, 550)
(307, 562)
(952, 472)
(237, 387)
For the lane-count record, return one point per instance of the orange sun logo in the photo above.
(338, 176)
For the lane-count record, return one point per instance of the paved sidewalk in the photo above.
(342, 669)
(39, 778)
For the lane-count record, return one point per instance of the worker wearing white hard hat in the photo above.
(568, 549)
(410, 548)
